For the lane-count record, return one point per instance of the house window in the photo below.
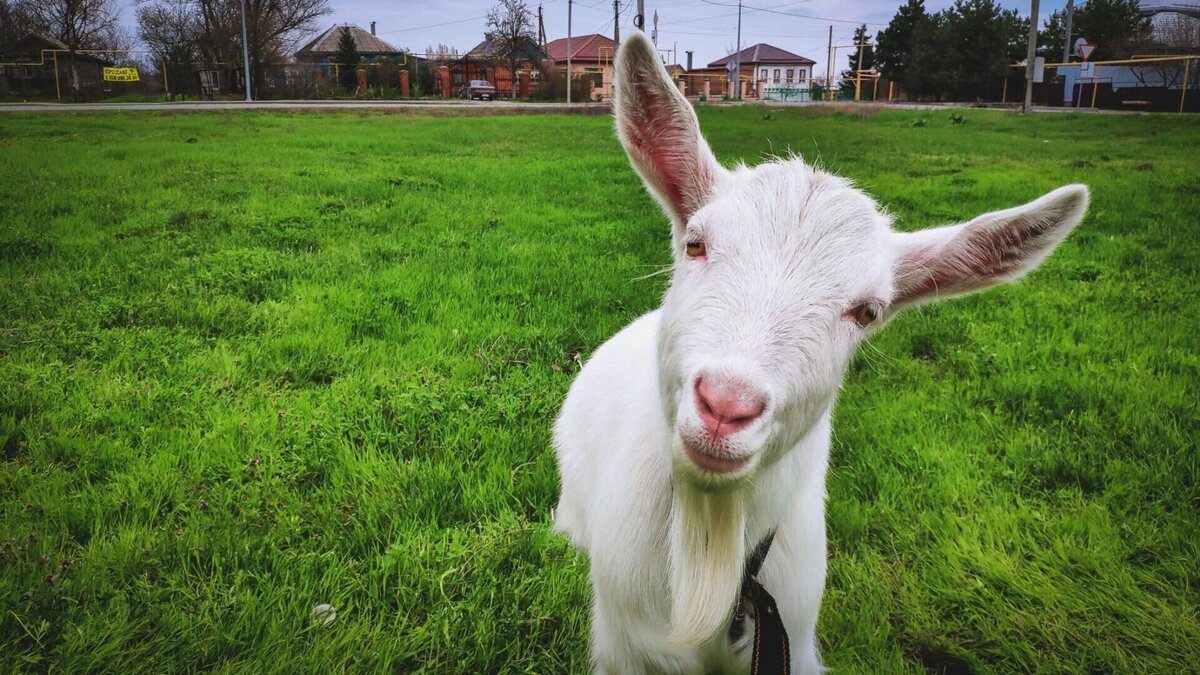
(776, 76)
(803, 75)
(762, 74)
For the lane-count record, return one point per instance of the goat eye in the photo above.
(696, 249)
(865, 313)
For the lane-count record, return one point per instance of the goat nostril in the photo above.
(727, 406)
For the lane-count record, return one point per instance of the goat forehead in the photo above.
(788, 213)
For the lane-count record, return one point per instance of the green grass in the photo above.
(253, 362)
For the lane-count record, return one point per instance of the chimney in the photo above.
(372, 28)
(689, 53)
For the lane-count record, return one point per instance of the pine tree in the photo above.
(894, 44)
(347, 59)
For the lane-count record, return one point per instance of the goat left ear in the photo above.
(994, 248)
(659, 130)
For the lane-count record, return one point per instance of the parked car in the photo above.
(478, 89)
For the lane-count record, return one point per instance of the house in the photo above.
(318, 57)
(591, 60)
(486, 62)
(371, 49)
(770, 72)
(40, 67)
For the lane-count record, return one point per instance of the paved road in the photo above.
(483, 107)
(458, 107)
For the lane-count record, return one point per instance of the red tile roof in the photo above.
(762, 53)
(583, 48)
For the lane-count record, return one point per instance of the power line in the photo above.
(798, 16)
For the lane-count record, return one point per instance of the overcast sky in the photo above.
(707, 27)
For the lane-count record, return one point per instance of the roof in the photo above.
(486, 50)
(583, 48)
(761, 53)
(33, 43)
(326, 43)
(1186, 7)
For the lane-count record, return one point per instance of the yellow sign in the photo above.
(120, 74)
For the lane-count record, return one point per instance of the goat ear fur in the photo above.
(659, 130)
(994, 248)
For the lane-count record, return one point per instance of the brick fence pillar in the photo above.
(404, 83)
(444, 80)
(523, 87)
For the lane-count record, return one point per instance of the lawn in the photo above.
(255, 362)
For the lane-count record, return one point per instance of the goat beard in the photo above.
(707, 535)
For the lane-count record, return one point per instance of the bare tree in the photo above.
(441, 54)
(510, 33)
(79, 24)
(16, 21)
(215, 28)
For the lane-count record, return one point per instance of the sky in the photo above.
(706, 27)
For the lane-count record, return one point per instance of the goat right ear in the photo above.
(659, 130)
(994, 248)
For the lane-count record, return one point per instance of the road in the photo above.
(457, 107)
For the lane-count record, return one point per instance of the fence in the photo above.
(1151, 83)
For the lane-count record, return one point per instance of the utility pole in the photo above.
(570, 3)
(541, 29)
(829, 65)
(245, 51)
(1030, 54)
(737, 75)
(862, 42)
(1067, 35)
(617, 23)
(639, 19)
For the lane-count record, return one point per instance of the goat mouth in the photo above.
(713, 460)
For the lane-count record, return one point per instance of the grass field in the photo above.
(254, 362)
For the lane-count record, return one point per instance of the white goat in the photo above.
(704, 426)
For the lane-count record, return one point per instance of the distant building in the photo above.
(43, 70)
(318, 58)
(771, 71)
(591, 60)
(371, 49)
(485, 62)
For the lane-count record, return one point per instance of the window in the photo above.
(791, 73)
(762, 74)
(776, 76)
(803, 75)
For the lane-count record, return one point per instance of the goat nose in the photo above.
(726, 406)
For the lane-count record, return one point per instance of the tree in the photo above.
(79, 24)
(347, 59)
(510, 32)
(16, 21)
(1114, 26)
(173, 32)
(977, 44)
(928, 64)
(894, 44)
(272, 26)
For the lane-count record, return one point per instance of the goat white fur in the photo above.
(705, 425)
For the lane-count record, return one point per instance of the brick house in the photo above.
(591, 60)
(484, 62)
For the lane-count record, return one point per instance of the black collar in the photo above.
(771, 650)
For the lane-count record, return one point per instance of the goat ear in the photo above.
(658, 128)
(994, 248)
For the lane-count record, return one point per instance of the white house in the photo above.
(777, 73)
